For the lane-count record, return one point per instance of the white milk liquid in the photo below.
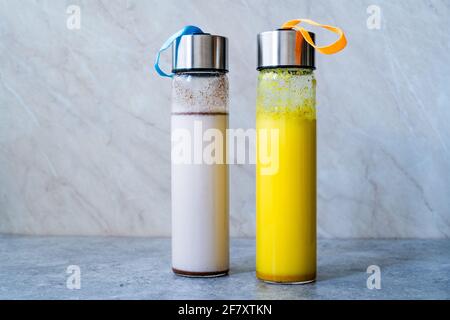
(200, 204)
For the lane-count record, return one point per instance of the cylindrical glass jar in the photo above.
(200, 236)
(286, 197)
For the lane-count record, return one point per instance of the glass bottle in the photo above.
(200, 236)
(286, 186)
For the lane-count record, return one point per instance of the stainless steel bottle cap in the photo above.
(285, 48)
(200, 52)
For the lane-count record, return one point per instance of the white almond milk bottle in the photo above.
(200, 236)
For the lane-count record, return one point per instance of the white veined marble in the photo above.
(84, 120)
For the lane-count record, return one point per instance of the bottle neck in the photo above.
(200, 73)
(289, 70)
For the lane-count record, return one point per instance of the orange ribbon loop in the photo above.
(329, 49)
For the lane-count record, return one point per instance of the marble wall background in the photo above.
(84, 121)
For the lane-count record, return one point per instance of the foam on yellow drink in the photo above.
(286, 197)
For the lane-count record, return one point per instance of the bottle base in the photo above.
(272, 279)
(191, 274)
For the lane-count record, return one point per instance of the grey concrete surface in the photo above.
(139, 268)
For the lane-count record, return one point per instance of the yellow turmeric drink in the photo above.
(286, 194)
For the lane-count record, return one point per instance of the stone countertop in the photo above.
(139, 268)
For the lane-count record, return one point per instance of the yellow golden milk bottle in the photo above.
(286, 153)
(286, 192)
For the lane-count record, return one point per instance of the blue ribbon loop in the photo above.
(188, 30)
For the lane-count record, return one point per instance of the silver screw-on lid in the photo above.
(200, 52)
(285, 48)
